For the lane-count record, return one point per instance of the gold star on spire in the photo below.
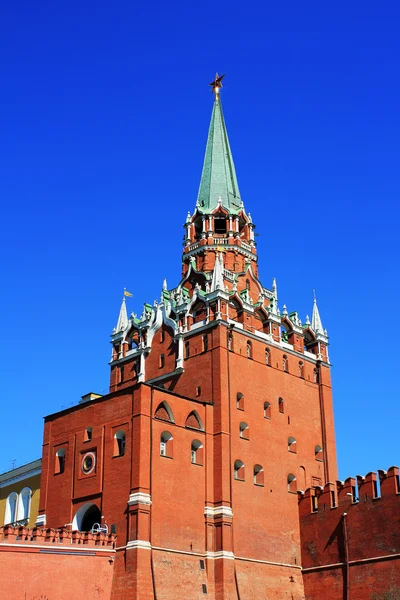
(216, 84)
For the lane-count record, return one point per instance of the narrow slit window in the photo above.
(249, 350)
(244, 431)
(267, 410)
(267, 357)
(166, 444)
(119, 443)
(258, 477)
(196, 453)
(292, 444)
(292, 483)
(60, 461)
(239, 470)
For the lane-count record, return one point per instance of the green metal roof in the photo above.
(218, 177)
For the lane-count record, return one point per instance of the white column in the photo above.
(141, 375)
(179, 359)
(230, 226)
(210, 226)
(203, 235)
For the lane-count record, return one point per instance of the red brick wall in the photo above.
(351, 546)
(263, 534)
(48, 569)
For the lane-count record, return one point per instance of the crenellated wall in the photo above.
(50, 563)
(350, 537)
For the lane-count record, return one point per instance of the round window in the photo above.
(88, 462)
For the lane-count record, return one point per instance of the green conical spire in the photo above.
(218, 178)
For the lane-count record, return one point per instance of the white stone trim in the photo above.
(40, 521)
(139, 498)
(134, 544)
(213, 555)
(220, 554)
(56, 549)
(199, 324)
(218, 511)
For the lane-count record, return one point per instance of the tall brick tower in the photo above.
(219, 410)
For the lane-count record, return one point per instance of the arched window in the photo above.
(292, 483)
(164, 412)
(193, 421)
(268, 357)
(281, 405)
(187, 350)
(315, 376)
(88, 434)
(249, 349)
(239, 401)
(244, 430)
(60, 461)
(301, 369)
(258, 476)
(267, 410)
(24, 504)
(196, 452)
(166, 440)
(238, 471)
(198, 391)
(285, 363)
(318, 453)
(162, 335)
(162, 361)
(11, 508)
(291, 444)
(119, 443)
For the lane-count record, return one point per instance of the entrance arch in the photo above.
(86, 516)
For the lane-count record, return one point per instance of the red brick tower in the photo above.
(219, 409)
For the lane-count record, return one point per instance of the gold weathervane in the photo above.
(217, 83)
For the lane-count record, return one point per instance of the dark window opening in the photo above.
(220, 225)
(204, 588)
(202, 565)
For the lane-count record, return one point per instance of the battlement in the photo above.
(352, 491)
(56, 537)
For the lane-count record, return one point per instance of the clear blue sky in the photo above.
(104, 116)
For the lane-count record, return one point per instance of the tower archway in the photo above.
(86, 516)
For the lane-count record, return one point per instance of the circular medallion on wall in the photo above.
(88, 462)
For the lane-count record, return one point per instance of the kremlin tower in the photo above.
(219, 411)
